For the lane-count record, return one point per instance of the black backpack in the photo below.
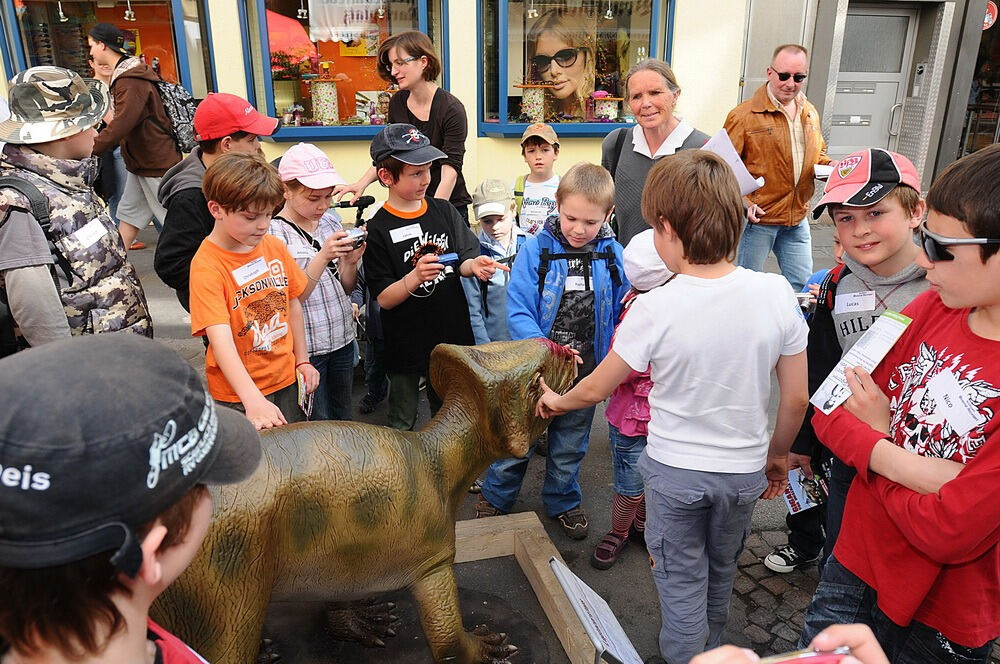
(179, 106)
(9, 343)
(608, 256)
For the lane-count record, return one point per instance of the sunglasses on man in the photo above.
(564, 58)
(936, 246)
(784, 76)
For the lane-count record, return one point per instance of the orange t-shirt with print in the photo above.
(250, 293)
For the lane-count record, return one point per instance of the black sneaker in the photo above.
(574, 523)
(368, 404)
(785, 558)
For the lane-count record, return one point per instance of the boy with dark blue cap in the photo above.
(103, 500)
(417, 248)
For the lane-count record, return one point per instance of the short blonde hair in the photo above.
(696, 192)
(591, 181)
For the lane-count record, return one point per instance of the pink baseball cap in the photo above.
(306, 163)
(866, 177)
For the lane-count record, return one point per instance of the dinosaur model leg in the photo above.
(436, 595)
(367, 622)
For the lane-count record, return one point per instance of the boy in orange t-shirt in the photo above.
(244, 296)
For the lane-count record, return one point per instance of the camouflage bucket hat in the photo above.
(49, 103)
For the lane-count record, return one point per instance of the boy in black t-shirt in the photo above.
(422, 300)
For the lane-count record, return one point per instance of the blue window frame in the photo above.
(34, 33)
(313, 54)
(543, 60)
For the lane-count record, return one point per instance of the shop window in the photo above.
(170, 36)
(562, 62)
(323, 56)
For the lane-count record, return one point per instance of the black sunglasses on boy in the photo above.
(936, 246)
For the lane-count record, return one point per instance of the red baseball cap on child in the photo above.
(221, 114)
(306, 163)
(866, 177)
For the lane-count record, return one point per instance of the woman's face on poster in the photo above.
(561, 65)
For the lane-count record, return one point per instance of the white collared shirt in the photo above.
(670, 145)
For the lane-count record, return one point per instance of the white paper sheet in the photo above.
(722, 146)
(867, 352)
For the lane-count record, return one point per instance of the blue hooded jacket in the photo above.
(531, 313)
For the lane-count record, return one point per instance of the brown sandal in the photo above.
(606, 553)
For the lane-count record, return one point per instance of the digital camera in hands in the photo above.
(357, 236)
(449, 260)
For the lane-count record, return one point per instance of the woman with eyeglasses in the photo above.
(408, 59)
(562, 55)
(629, 153)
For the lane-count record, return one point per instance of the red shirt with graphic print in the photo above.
(170, 649)
(931, 558)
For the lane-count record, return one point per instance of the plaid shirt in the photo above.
(327, 312)
(795, 129)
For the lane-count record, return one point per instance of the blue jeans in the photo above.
(569, 438)
(332, 398)
(792, 246)
(841, 597)
(696, 526)
(375, 379)
(119, 166)
(625, 451)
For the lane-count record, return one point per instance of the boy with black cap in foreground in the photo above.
(103, 501)
(422, 300)
(920, 566)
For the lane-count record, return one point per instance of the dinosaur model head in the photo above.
(498, 383)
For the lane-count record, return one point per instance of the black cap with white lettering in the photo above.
(100, 435)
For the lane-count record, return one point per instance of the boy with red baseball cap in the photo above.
(222, 123)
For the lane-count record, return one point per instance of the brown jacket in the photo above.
(140, 124)
(762, 137)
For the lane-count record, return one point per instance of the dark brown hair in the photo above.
(695, 192)
(70, 607)
(211, 146)
(591, 181)
(413, 43)
(967, 191)
(239, 181)
(532, 141)
(393, 165)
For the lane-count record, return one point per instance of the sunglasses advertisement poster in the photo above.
(574, 59)
(867, 352)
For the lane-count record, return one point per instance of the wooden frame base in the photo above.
(522, 536)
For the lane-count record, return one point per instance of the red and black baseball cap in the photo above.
(99, 435)
(864, 178)
(221, 114)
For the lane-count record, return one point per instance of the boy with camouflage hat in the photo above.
(66, 274)
(95, 524)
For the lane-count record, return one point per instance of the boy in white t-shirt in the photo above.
(711, 335)
(535, 193)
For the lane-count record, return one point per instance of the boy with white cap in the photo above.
(103, 502)
(316, 239)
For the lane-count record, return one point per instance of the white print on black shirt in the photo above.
(922, 426)
(189, 449)
(427, 243)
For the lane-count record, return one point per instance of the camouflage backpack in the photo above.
(179, 106)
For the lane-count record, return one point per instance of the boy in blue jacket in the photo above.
(567, 284)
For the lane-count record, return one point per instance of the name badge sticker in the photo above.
(90, 233)
(247, 273)
(849, 302)
(575, 284)
(404, 233)
(302, 251)
(950, 400)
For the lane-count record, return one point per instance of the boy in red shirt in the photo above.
(245, 290)
(921, 565)
(106, 445)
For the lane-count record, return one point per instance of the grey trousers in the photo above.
(696, 525)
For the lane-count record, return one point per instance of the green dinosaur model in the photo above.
(346, 510)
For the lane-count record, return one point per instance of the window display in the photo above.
(565, 61)
(55, 33)
(324, 57)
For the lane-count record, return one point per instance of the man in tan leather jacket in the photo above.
(778, 136)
